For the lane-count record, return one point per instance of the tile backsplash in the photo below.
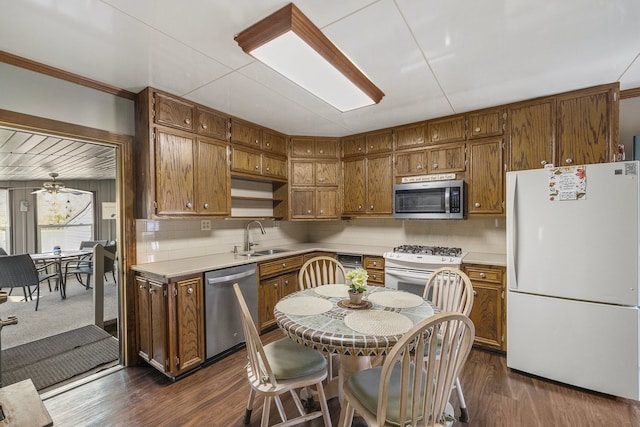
(162, 240)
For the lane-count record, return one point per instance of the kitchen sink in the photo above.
(270, 251)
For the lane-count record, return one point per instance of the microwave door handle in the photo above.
(447, 200)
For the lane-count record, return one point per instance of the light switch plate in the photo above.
(205, 224)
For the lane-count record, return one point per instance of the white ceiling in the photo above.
(432, 58)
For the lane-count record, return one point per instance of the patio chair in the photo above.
(84, 266)
(19, 271)
(408, 389)
(280, 367)
(450, 289)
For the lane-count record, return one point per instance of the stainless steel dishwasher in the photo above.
(223, 327)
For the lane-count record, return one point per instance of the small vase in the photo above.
(356, 297)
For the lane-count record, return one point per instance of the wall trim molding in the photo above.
(630, 93)
(48, 70)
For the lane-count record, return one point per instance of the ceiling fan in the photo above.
(55, 187)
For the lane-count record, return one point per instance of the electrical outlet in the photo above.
(205, 224)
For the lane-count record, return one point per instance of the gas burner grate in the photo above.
(429, 250)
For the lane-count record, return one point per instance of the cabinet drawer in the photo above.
(376, 277)
(484, 274)
(280, 265)
(375, 263)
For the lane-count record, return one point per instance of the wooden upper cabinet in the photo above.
(587, 129)
(213, 180)
(327, 148)
(379, 142)
(174, 173)
(353, 146)
(379, 185)
(449, 129)
(486, 123)
(446, 158)
(212, 124)
(315, 147)
(485, 177)
(410, 136)
(275, 167)
(354, 179)
(273, 142)
(413, 162)
(246, 161)
(531, 131)
(174, 112)
(246, 134)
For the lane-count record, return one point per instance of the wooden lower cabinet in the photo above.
(278, 278)
(375, 270)
(488, 314)
(170, 324)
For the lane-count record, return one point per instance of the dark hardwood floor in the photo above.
(216, 396)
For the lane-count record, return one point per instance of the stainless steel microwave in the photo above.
(429, 200)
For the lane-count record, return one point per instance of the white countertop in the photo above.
(167, 270)
(177, 268)
(485, 258)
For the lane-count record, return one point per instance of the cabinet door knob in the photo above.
(141, 286)
(275, 285)
(321, 151)
(371, 207)
(375, 263)
(477, 129)
(308, 211)
(257, 167)
(569, 161)
(475, 293)
(257, 142)
(321, 211)
(308, 151)
(206, 205)
(151, 290)
(419, 167)
(477, 205)
(359, 148)
(268, 144)
(435, 166)
(190, 291)
(284, 265)
(371, 147)
(483, 275)
(359, 206)
(204, 126)
(189, 205)
(543, 163)
(187, 121)
(286, 282)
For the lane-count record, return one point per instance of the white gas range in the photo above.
(408, 267)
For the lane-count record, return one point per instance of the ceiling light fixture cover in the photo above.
(288, 42)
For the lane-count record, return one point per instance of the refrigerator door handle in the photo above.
(512, 221)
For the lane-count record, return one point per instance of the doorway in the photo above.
(121, 147)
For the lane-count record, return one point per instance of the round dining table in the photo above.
(323, 318)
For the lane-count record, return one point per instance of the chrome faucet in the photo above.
(248, 244)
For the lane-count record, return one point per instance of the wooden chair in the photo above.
(318, 271)
(321, 270)
(450, 289)
(409, 389)
(19, 271)
(279, 367)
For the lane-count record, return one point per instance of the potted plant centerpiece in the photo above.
(357, 280)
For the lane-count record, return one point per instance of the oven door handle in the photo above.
(420, 277)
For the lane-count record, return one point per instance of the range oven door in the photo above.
(408, 280)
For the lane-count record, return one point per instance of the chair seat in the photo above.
(365, 385)
(289, 359)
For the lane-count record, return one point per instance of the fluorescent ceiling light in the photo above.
(288, 42)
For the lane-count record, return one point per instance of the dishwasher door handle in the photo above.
(231, 277)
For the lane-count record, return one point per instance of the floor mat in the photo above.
(58, 358)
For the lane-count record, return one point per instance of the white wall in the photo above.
(181, 238)
(472, 235)
(162, 240)
(28, 92)
(629, 124)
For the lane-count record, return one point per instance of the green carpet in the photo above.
(58, 358)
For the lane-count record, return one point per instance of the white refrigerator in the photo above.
(572, 276)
